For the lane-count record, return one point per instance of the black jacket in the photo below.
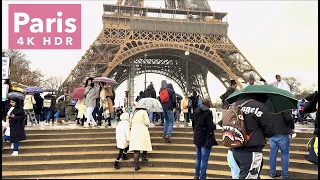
(17, 132)
(203, 127)
(195, 97)
(257, 119)
(150, 92)
(39, 103)
(283, 122)
(172, 103)
(310, 107)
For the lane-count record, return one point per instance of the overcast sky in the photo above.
(277, 37)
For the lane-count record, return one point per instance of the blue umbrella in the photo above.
(33, 89)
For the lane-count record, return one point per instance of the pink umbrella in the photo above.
(78, 93)
(106, 80)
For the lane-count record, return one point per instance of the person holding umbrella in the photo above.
(258, 124)
(29, 101)
(91, 94)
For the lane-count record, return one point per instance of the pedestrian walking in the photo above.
(67, 107)
(91, 94)
(203, 128)
(122, 138)
(29, 102)
(15, 118)
(140, 136)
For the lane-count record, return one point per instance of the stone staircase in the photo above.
(90, 153)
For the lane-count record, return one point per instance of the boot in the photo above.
(125, 157)
(144, 158)
(168, 139)
(116, 165)
(136, 166)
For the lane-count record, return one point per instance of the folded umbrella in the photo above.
(278, 100)
(151, 104)
(106, 80)
(78, 93)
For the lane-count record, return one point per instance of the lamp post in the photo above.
(187, 69)
(145, 71)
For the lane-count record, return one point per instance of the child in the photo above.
(122, 138)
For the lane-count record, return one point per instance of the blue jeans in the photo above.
(15, 145)
(38, 117)
(150, 116)
(168, 123)
(202, 157)
(47, 114)
(235, 170)
(282, 142)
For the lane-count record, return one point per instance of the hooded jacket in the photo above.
(203, 127)
(29, 101)
(123, 131)
(172, 103)
(257, 120)
(150, 92)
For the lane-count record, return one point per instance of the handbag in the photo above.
(7, 132)
(313, 150)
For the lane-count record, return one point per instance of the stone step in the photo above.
(123, 173)
(111, 139)
(152, 130)
(105, 147)
(26, 158)
(153, 162)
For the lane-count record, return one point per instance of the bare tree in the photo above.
(294, 84)
(20, 70)
(52, 83)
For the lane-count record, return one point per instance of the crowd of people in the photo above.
(132, 132)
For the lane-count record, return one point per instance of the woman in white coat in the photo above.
(122, 138)
(139, 135)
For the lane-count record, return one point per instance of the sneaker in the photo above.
(47, 124)
(277, 174)
(15, 153)
(168, 139)
(151, 125)
(190, 124)
(109, 126)
(116, 165)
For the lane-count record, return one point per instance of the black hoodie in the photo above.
(150, 92)
(203, 127)
(257, 118)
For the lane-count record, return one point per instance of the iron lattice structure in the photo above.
(164, 36)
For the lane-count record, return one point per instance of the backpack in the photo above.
(313, 150)
(47, 103)
(233, 126)
(164, 96)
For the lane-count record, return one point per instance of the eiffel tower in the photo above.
(183, 42)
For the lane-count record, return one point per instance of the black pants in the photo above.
(121, 152)
(250, 163)
(100, 117)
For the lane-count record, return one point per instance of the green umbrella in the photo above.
(278, 100)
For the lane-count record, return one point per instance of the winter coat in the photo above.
(139, 135)
(39, 103)
(29, 101)
(67, 100)
(60, 108)
(53, 104)
(150, 92)
(105, 99)
(283, 122)
(123, 134)
(195, 97)
(258, 122)
(184, 105)
(203, 127)
(16, 124)
(91, 94)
